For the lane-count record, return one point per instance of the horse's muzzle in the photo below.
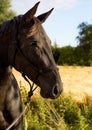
(53, 93)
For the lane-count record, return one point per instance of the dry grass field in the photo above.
(77, 81)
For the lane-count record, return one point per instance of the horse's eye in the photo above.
(34, 44)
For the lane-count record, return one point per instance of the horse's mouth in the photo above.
(44, 94)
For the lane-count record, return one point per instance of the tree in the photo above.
(85, 41)
(5, 10)
(85, 34)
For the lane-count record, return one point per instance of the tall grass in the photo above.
(59, 114)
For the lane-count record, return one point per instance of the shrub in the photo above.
(59, 114)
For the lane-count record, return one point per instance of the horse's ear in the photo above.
(44, 16)
(29, 15)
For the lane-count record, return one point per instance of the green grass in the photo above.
(59, 114)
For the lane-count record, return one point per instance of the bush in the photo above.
(59, 114)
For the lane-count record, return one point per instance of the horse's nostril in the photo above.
(55, 91)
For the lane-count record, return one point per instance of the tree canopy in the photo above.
(6, 12)
(85, 34)
(85, 41)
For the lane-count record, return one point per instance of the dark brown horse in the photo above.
(25, 46)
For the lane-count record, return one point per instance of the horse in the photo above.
(25, 46)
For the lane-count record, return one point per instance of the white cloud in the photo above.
(63, 4)
(21, 6)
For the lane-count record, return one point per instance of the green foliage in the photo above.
(56, 53)
(85, 34)
(67, 56)
(72, 56)
(59, 114)
(64, 55)
(85, 41)
(5, 10)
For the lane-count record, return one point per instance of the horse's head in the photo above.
(34, 57)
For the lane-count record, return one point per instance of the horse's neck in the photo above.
(5, 81)
(5, 69)
(7, 36)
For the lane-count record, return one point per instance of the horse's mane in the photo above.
(7, 25)
(5, 28)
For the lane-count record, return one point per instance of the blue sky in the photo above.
(61, 26)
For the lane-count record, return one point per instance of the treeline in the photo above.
(69, 55)
(80, 55)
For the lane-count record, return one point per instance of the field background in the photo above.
(77, 81)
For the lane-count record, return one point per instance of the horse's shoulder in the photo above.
(14, 82)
